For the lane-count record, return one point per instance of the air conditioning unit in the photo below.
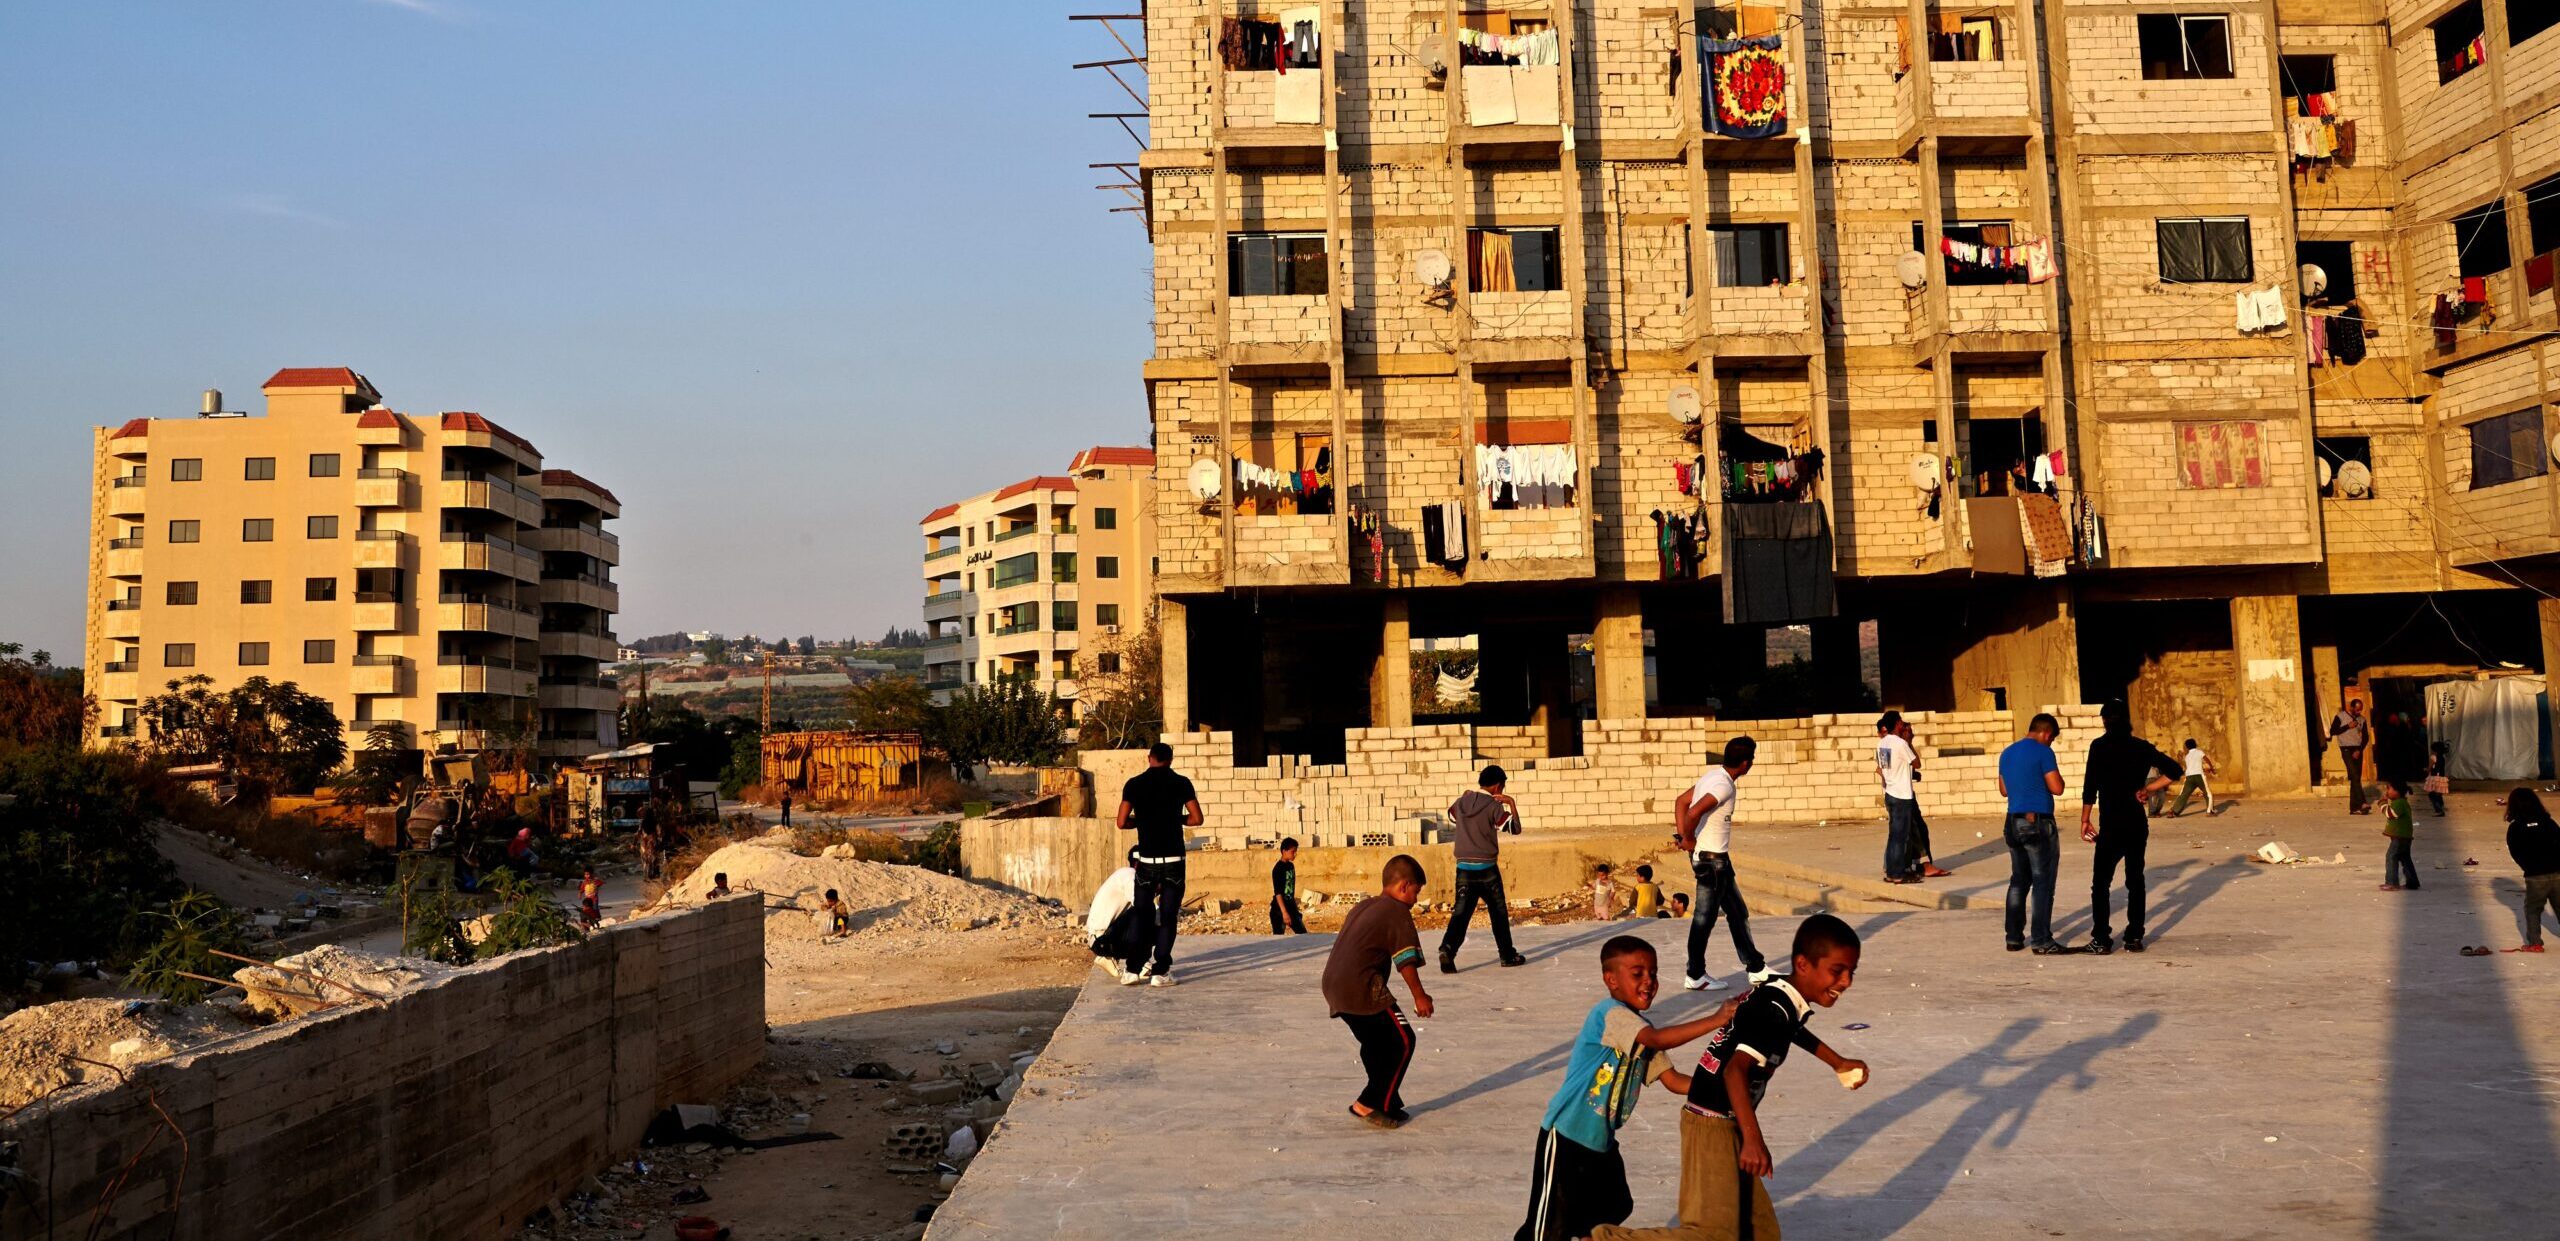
(1111, 629)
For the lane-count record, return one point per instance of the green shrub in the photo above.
(195, 927)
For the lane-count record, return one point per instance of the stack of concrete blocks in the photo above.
(1286, 539)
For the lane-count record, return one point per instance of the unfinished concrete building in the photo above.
(1993, 357)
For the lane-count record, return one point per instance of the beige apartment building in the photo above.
(1042, 580)
(2192, 353)
(425, 572)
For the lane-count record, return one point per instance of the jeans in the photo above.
(1285, 916)
(1717, 893)
(1386, 1048)
(2397, 862)
(2354, 759)
(1160, 889)
(2035, 855)
(1901, 824)
(2118, 842)
(2540, 892)
(1473, 886)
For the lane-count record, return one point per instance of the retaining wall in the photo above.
(456, 1110)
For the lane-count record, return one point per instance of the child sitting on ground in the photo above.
(1679, 906)
(1577, 1179)
(1604, 894)
(2399, 826)
(2534, 842)
(839, 916)
(719, 884)
(1377, 939)
(1648, 894)
(1723, 1154)
(1284, 890)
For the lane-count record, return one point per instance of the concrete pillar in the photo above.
(1391, 680)
(1617, 656)
(2328, 699)
(1173, 630)
(2275, 732)
(2546, 613)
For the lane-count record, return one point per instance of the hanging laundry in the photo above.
(1301, 25)
(2315, 338)
(2346, 335)
(2443, 317)
(1453, 523)
(2475, 290)
(1680, 475)
(1247, 44)
(2038, 255)
(1746, 86)
(1489, 98)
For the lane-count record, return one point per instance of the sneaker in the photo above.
(1128, 979)
(2133, 943)
(1705, 984)
(1160, 980)
(2100, 947)
(2052, 950)
(1448, 963)
(1761, 975)
(2017, 945)
(1513, 958)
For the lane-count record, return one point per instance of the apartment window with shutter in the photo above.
(2210, 250)
(2184, 45)
(182, 594)
(253, 654)
(1513, 260)
(2480, 239)
(1107, 663)
(185, 531)
(186, 470)
(1106, 614)
(324, 465)
(260, 470)
(2507, 449)
(257, 530)
(1750, 255)
(260, 591)
(1276, 264)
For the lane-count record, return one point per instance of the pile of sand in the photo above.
(36, 1043)
(293, 990)
(882, 895)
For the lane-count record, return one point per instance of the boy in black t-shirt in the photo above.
(1722, 1153)
(1284, 890)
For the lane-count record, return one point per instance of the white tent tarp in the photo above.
(2494, 726)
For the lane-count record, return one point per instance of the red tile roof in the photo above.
(378, 418)
(940, 513)
(316, 377)
(1105, 455)
(1046, 482)
(566, 478)
(463, 420)
(137, 426)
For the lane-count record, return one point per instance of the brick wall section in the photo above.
(455, 1111)
(1821, 768)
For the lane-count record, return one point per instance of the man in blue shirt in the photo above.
(2030, 779)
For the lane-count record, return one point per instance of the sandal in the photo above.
(2388, 887)
(2523, 948)
(1935, 873)
(2470, 951)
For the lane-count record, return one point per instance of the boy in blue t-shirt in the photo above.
(1578, 1180)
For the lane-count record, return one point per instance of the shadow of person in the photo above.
(1245, 955)
(2173, 891)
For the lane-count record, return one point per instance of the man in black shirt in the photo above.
(2123, 770)
(1157, 804)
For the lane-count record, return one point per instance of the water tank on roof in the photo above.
(212, 402)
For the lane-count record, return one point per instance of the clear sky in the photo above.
(782, 276)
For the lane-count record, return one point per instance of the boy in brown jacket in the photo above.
(1377, 939)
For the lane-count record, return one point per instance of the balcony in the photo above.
(124, 619)
(478, 674)
(584, 590)
(124, 558)
(1511, 111)
(379, 674)
(949, 641)
(469, 613)
(942, 687)
(382, 549)
(578, 694)
(1533, 544)
(124, 496)
(590, 541)
(382, 488)
(465, 489)
(116, 732)
(569, 745)
(941, 553)
(945, 605)
(375, 612)
(487, 553)
(119, 682)
(1273, 117)
(463, 735)
(577, 644)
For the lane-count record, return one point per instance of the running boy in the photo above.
(1284, 890)
(1378, 939)
(2399, 826)
(2198, 765)
(1577, 1178)
(1722, 1152)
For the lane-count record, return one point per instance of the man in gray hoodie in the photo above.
(1479, 817)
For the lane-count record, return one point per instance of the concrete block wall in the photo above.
(456, 1110)
(2415, 58)
(1297, 320)
(2110, 96)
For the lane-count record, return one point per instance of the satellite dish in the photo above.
(2555, 445)
(1206, 478)
(2314, 281)
(1926, 471)
(2325, 473)
(1684, 403)
(1432, 269)
(1912, 269)
(2355, 479)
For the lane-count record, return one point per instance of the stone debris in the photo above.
(36, 1043)
(882, 895)
(289, 988)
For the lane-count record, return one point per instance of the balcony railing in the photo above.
(487, 601)
(491, 540)
(129, 480)
(377, 596)
(591, 579)
(937, 555)
(1029, 626)
(115, 730)
(124, 605)
(124, 544)
(381, 661)
(480, 661)
(949, 639)
(121, 665)
(931, 686)
(1015, 533)
(380, 536)
(380, 471)
(474, 476)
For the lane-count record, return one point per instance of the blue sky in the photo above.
(783, 276)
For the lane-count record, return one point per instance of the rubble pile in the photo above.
(38, 1045)
(881, 895)
(330, 975)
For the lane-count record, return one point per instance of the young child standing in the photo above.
(1578, 1179)
(1723, 1154)
(2439, 775)
(2534, 842)
(1378, 939)
(1284, 890)
(590, 892)
(1648, 895)
(2399, 826)
(1604, 894)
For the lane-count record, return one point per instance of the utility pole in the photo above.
(766, 726)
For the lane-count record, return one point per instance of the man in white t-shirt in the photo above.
(1894, 761)
(1705, 818)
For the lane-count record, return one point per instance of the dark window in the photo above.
(1106, 566)
(1514, 260)
(178, 655)
(1014, 571)
(2461, 44)
(1107, 663)
(1974, 39)
(2184, 45)
(1106, 519)
(319, 589)
(2309, 75)
(2480, 239)
(319, 651)
(260, 470)
(2339, 451)
(1275, 264)
(1106, 614)
(2207, 250)
(1750, 255)
(257, 530)
(1062, 615)
(324, 465)
(186, 470)
(2527, 18)
(182, 594)
(1062, 566)
(2542, 215)
(2507, 448)
(260, 591)
(1975, 233)
(253, 654)
(2337, 263)
(320, 527)
(184, 531)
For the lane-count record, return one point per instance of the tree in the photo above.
(40, 705)
(1006, 721)
(374, 779)
(715, 650)
(703, 746)
(269, 732)
(808, 644)
(1124, 707)
(892, 704)
(77, 857)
